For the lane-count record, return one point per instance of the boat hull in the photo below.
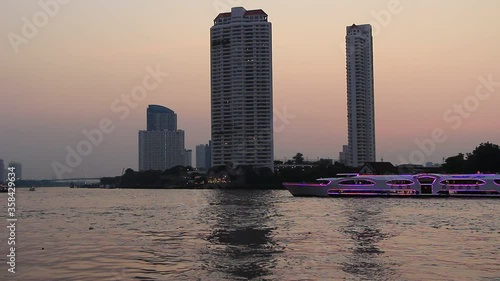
(305, 190)
(422, 186)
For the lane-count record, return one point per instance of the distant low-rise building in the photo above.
(343, 154)
(204, 156)
(378, 168)
(188, 153)
(2, 171)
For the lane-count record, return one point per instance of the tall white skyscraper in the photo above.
(242, 89)
(360, 100)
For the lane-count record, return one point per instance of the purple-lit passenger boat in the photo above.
(421, 185)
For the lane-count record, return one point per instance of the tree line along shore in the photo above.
(484, 159)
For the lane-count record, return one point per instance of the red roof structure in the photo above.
(247, 13)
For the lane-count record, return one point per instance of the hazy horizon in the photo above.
(66, 77)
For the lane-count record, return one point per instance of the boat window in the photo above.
(400, 182)
(347, 182)
(325, 182)
(357, 182)
(426, 180)
(456, 182)
(497, 181)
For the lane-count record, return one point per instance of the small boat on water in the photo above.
(421, 185)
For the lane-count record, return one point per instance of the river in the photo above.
(120, 234)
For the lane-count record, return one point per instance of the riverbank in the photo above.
(208, 186)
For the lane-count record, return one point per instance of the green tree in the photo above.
(299, 158)
(456, 164)
(485, 158)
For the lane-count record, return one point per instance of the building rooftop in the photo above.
(247, 13)
(159, 109)
(380, 168)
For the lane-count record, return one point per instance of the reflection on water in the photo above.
(241, 240)
(85, 234)
(367, 260)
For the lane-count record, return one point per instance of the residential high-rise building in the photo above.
(18, 169)
(161, 150)
(160, 118)
(242, 89)
(203, 157)
(360, 98)
(161, 147)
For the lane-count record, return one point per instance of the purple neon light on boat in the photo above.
(462, 182)
(357, 183)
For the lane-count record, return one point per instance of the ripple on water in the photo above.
(79, 234)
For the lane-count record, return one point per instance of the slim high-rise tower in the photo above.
(242, 89)
(360, 100)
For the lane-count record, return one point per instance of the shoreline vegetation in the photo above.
(180, 177)
(225, 176)
(483, 159)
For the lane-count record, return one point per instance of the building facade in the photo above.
(160, 118)
(18, 169)
(360, 95)
(161, 150)
(343, 154)
(242, 89)
(2, 171)
(203, 157)
(188, 158)
(161, 146)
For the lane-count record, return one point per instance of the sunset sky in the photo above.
(428, 57)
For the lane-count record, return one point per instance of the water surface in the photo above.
(118, 234)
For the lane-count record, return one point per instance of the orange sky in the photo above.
(428, 56)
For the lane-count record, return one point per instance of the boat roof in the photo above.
(407, 176)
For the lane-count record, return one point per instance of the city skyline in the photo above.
(430, 58)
